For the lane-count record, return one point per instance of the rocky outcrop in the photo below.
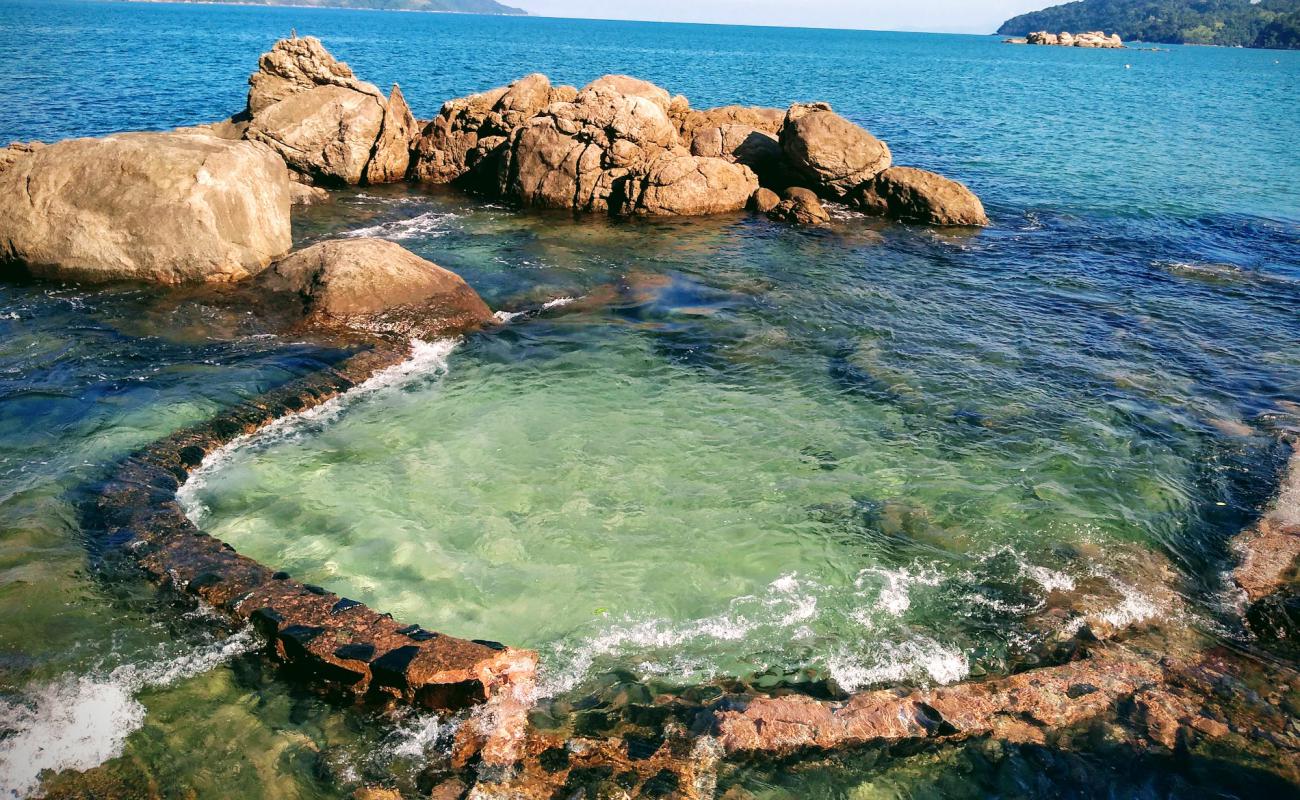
(1268, 567)
(378, 286)
(163, 207)
(1066, 39)
(614, 149)
(764, 200)
(470, 133)
(801, 207)
(915, 195)
(324, 122)
(831, 154)
(297, 65)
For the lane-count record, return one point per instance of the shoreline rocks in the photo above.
(915, 195)
(163, 207)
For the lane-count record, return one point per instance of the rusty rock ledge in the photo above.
(334, 643)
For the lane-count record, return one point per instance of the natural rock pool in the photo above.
(726, 454)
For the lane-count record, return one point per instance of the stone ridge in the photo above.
(332, 642)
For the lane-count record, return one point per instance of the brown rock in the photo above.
(832, 154)
(16, 150)
(164, 207)
(764, 200)
(378, 285)
(376, 793)
(326, 133)
(801, 207)
(300, 194)
(450, 789)
(1269, 551)
(298, 65)
(741, 134)
(392, 152)
(915, 195)
(470, 133)
(680, 184)
(632, 87)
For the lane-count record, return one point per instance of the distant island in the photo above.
(445, 6)
(1229, 23)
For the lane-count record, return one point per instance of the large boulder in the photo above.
(324, 122)
(831, 154)
(164, 207)
(376, 285)
(915, 195)
(680, 184)
(613, 148)
(326, 133)
(470, 133)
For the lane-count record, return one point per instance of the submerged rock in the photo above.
(376, 285)
(300, 194)
(915, 195)
(831, 154)
(163, 207)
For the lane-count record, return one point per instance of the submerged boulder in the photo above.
(324, 122)
(376, 285)
(470, 133)
(832, 154)
(915, 195)
(164, 207)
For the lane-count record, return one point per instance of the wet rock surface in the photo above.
(915, 195)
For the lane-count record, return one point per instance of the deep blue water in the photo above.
(1109, 354)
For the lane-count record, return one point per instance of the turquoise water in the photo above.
(867, 454)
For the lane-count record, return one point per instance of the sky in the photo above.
(945, 16)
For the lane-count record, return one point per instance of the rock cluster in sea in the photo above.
(1066, 39)
(211, 203)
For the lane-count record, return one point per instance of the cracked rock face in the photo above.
(617, 152)
(324, 122)
(163, 207)
(831, 154)
(469, 133)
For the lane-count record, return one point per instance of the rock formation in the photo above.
(16, 150)
(469, 134)
(614, 149)
(163, 207)
(1066, 39)
(324, 122)
(378, 286)
(915, 195)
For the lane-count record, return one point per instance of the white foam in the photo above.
(426, 358)
(896, 595)
(79, 722)
(430, 224)
(558, 302)
(919, 659)
(506, 317)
